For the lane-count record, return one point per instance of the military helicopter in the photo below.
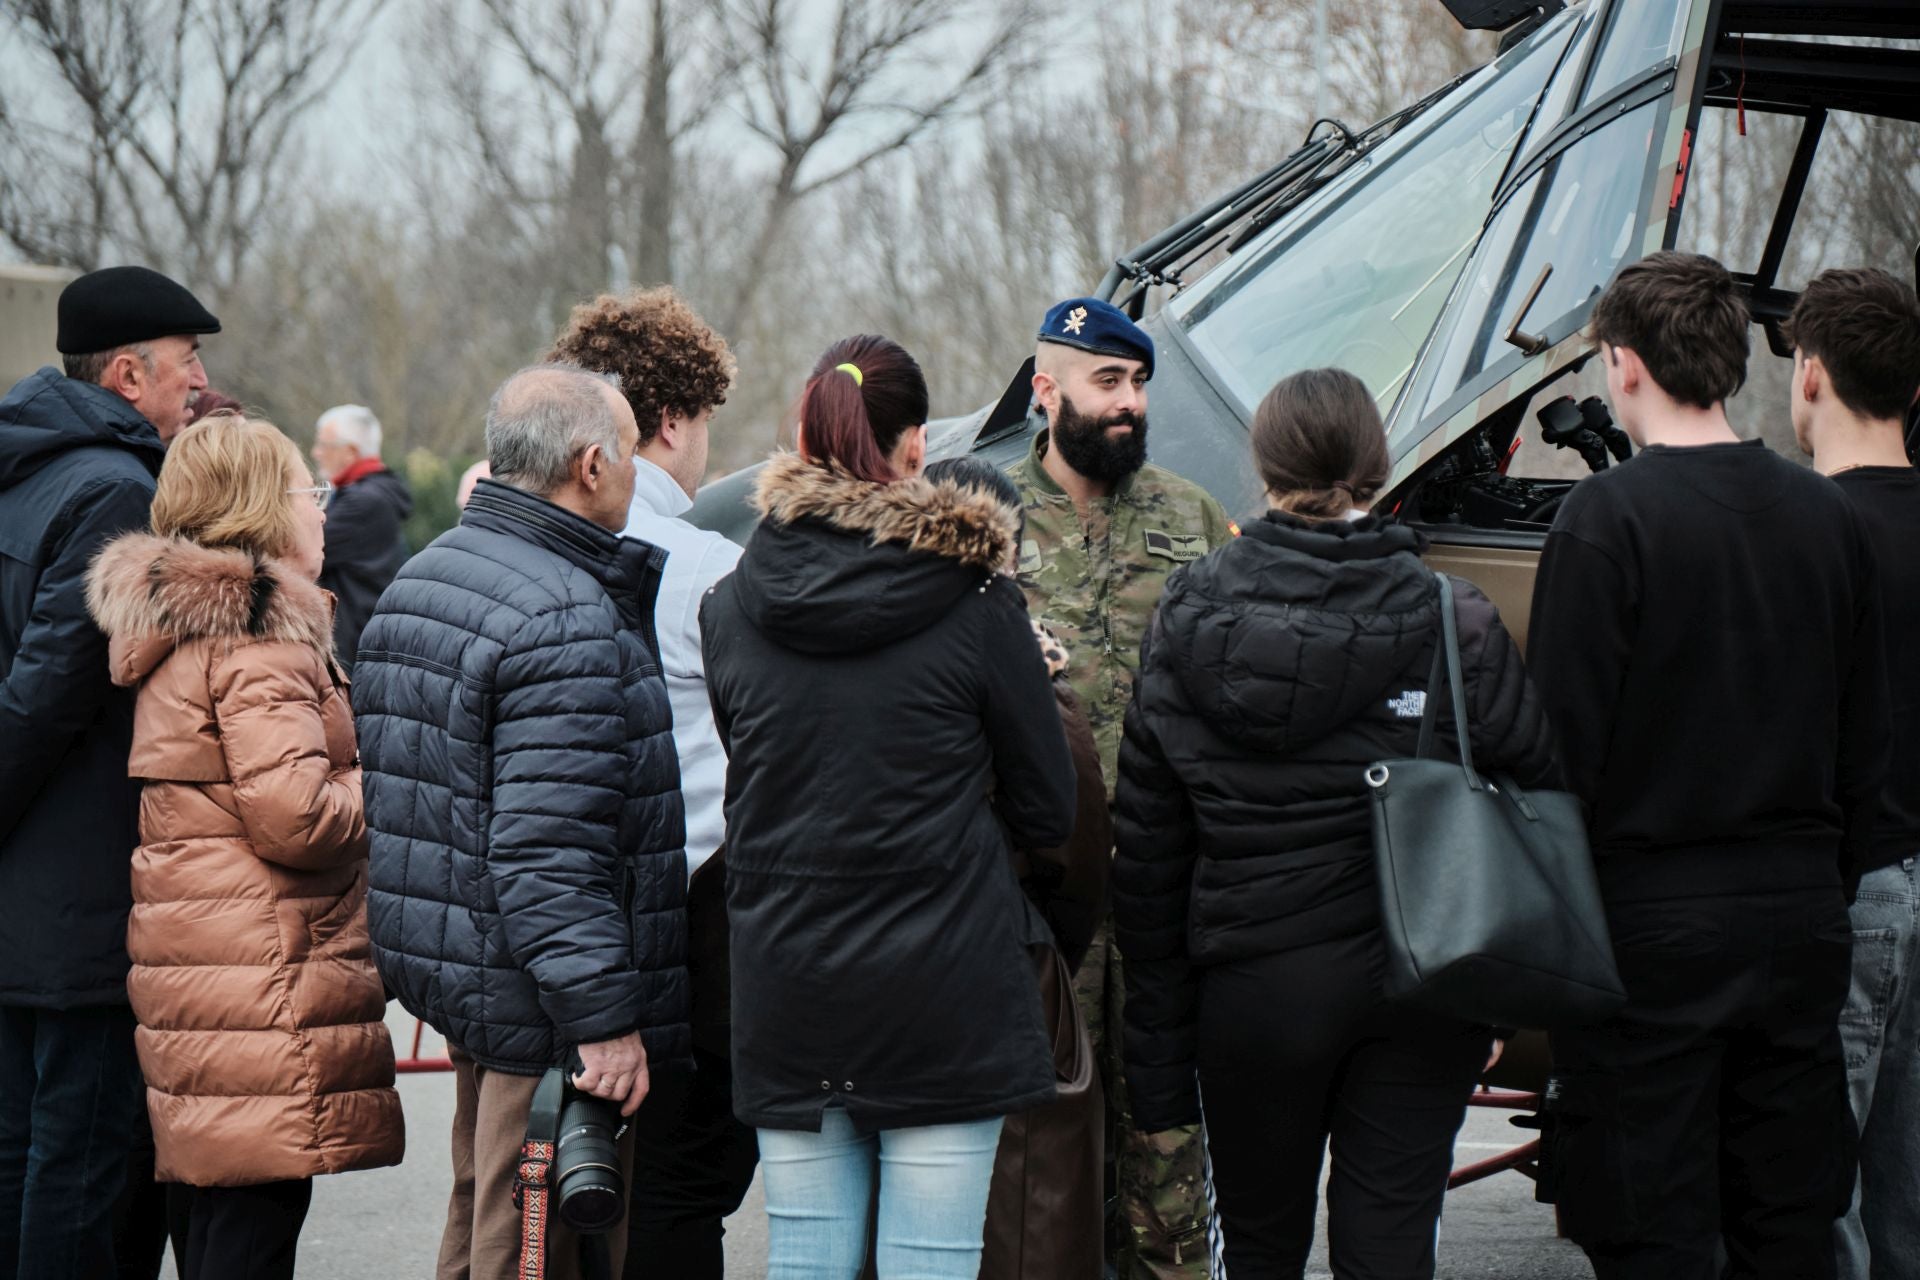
(1450, 253)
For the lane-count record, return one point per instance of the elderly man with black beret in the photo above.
(79, 452)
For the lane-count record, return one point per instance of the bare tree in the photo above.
(1880, 159)
(171, 134)
(1376, 58)
(890, 72)
(1856, 209)
(572, 115)
(962, 249)
(599, 137)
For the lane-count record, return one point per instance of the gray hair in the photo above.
(356, 426)
(544, 417)
(91, 366)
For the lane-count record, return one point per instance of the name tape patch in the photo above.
(1180, 547)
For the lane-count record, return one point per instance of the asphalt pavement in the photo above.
(387, 1222)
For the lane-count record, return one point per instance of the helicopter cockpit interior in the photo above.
(1805, 154)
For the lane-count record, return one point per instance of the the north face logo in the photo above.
(1410, 705)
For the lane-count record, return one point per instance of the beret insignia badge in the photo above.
(1075, 319)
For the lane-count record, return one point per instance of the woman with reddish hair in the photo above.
(891, 736)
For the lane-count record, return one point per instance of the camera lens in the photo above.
(587, 1183)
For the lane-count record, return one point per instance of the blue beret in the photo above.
(1099, 327)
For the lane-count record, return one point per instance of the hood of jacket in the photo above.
(844, 565)
(48, 414)
(1288, 632)
(150, 594)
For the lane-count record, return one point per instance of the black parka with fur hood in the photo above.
(890, 728)
(1277, 669)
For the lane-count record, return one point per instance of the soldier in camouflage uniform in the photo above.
(1104, 528)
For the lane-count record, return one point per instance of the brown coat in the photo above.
(1045, 1211)
(260, 1033)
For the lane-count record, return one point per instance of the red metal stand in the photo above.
(1524, 1158)
(413, 1062)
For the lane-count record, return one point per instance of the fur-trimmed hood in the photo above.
(843, 565)
(952, 522)
(150, 594)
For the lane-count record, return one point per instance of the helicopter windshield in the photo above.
(1359, 282)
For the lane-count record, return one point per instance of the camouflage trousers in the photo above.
(1160, 1177)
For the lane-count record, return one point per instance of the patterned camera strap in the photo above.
(532, 1194)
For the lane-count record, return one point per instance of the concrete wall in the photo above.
(27, 319)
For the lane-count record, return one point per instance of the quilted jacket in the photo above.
(260, 1016)
(1278, 668)
(529, 881)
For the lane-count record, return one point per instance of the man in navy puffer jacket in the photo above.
(528, 880)
(79, 449)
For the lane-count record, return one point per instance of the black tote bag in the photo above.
(1489, 905)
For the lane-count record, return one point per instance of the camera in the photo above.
(1586, 427)
(583, 1178)
(588, 1191)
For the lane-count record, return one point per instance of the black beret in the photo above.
(120, 305)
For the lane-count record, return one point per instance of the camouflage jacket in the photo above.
(1096, 581)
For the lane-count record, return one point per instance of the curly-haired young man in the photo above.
(692, 1160)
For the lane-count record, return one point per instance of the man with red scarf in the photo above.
(365, 542)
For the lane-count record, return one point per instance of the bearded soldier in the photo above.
(1104, 528)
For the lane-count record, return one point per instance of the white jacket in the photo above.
(696, 559)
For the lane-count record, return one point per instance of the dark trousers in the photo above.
(69, 1091)
(1710, 1115)
(692, 1160)
(239, 1233)
(1297, 1051)
(140, 1218)
(692, 1164)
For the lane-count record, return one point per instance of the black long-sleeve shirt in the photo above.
(1889, 500)
(1707, 640)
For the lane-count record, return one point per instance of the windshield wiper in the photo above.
(1239, 215)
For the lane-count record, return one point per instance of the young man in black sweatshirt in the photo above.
(1707, 641)
(1856, 370)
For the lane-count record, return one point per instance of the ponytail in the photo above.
(1319, 444)
(838, 429)
(865, 393)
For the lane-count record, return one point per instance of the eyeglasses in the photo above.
(321, 494)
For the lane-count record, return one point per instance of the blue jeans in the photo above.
(1881, 1032)
(933, 1199)
(69, 1091)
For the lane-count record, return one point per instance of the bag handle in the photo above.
(1446, 666)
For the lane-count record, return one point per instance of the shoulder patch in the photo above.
(1178, 547)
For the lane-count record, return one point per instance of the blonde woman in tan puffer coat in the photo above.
(260, 1032)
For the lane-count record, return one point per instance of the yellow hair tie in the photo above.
(854, 370)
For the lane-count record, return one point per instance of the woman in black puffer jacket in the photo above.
(891, 736)
(1277, 669)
